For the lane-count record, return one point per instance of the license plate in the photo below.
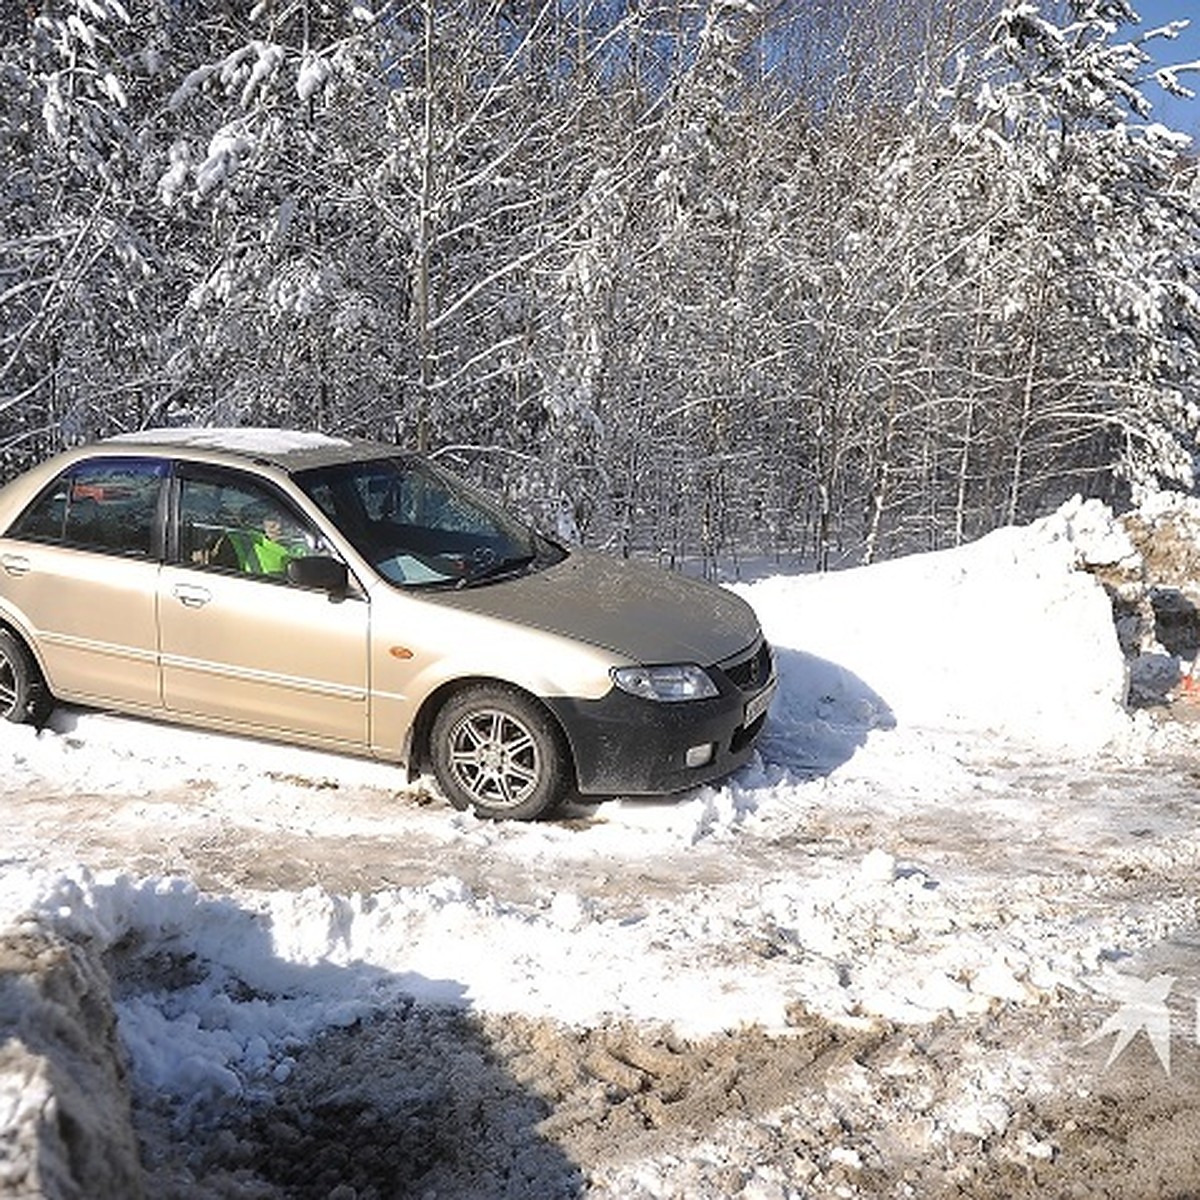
(759, 705)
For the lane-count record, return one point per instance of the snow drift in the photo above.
(1007, 636)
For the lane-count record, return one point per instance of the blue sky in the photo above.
(1181, 114)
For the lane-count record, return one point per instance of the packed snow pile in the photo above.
(64, 1107)
(756, 905)
(1009, 636)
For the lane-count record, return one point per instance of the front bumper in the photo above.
(624, 745)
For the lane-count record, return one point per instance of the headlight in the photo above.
(680, 682)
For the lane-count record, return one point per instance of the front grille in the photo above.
(751, 671)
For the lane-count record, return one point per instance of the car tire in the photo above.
(23, 695)
(497, 751)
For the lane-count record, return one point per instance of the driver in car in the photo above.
(262, 548)
(270, 549)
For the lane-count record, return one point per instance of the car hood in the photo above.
(629, 608)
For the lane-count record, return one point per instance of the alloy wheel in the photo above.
(494, 758)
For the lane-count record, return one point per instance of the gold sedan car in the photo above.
(346, 595)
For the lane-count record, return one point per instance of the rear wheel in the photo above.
(23, 696)
(497, 751)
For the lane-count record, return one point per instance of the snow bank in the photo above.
(219, 993)
(1006, 636)
(65, 1126)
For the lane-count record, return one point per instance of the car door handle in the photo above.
(190, 595)
(14, 564)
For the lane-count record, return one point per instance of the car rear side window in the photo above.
(109, 504)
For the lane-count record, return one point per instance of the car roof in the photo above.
(289, 449)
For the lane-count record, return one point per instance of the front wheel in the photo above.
(497, 751)
(23, 696)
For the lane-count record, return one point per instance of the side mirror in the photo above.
(319, 573)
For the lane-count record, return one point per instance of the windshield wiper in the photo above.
(496, 570)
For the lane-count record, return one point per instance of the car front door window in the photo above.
(232, 525)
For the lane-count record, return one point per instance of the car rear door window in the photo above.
(110, 505)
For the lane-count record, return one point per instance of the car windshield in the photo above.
(420, 526)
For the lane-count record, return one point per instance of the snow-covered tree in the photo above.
(1109, 234)
(833, 277)
(73, 258)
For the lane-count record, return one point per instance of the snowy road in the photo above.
(960, 918)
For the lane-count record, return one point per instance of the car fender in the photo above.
(466, 647)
